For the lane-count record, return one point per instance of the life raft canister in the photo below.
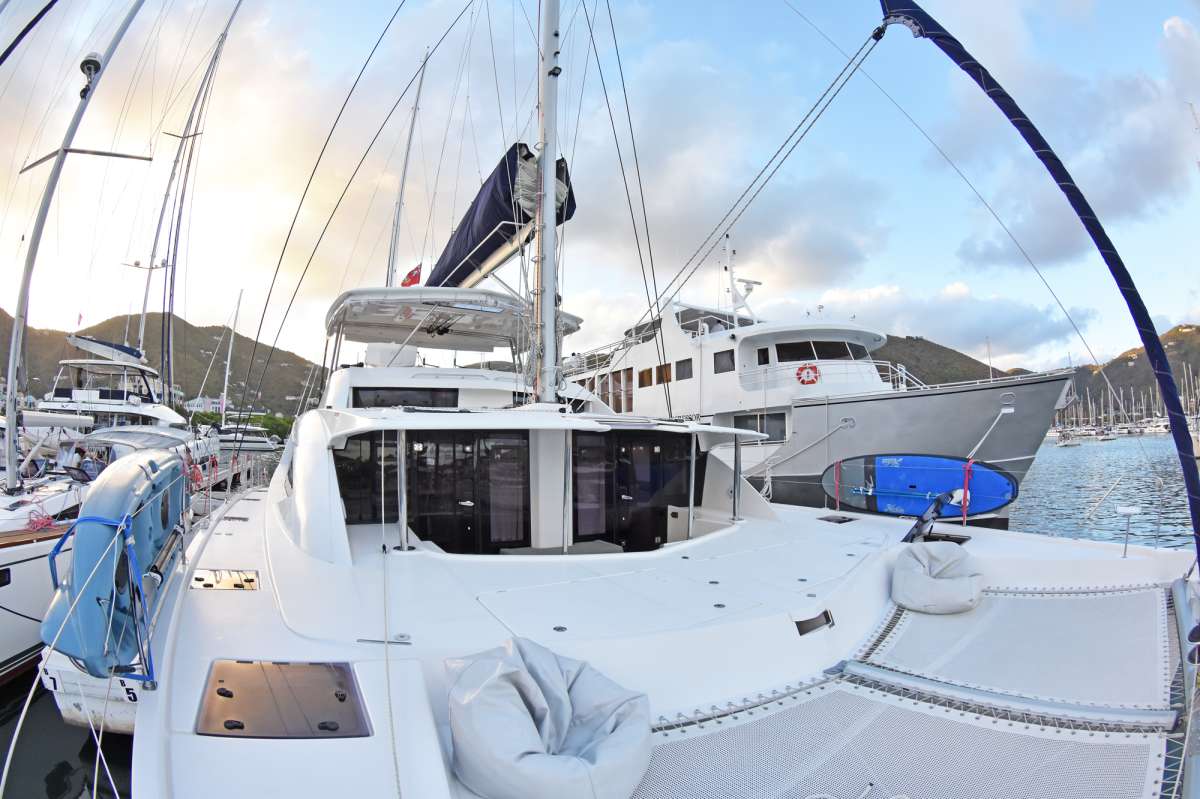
(808, 374)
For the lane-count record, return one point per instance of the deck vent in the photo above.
(835, 519)
(235, 518)
(822, 619)
(225, 579)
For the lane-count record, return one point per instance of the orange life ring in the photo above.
(808, 374)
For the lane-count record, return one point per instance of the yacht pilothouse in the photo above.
(816, 393)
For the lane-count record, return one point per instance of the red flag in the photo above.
(412, 278)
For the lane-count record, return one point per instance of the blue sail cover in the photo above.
(494, 217)
(913, 17)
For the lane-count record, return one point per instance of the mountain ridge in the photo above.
(926, 360)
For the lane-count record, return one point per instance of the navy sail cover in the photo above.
(506, 203)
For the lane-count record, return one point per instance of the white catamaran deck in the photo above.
(746, 703)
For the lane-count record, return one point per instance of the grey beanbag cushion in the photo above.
(936, 577)
(530, 724)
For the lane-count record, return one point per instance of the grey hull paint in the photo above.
(940, 420)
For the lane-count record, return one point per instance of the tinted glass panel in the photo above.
(662, 374)
(794, 351)
(764, 356)
(645, 378)
(591, 466)
(859, 352)
(723, 361)
(832, 350)
(366, 474)
(624, 483)
(502, 490)
(468, 491)
(773, 424)
(683, 369)
(411, 397)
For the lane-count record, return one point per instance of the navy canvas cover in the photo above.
(493, 218)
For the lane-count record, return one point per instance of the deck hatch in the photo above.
(835, 518)
(225, 579)
(266, 699)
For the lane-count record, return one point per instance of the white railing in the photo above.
(831, 376)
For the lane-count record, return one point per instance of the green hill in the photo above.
(933, 363)
(1130, 372)
(194, 347)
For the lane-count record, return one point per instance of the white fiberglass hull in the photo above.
(713, 639)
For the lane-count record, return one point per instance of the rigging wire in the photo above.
(755, 187)
(651, 306)
(487, 7)
(999, 221)
(333, 212)
(721, 231)
(304, 195)
(464, 54)
(29, 26)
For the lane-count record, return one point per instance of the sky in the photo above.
(864, 221)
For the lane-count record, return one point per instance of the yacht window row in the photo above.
(468, 491)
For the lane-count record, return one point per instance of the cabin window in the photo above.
(722, 361)
(467, 492)
(794, 351)
(367, 477)
(773, 424)
(618, 391)
(645, 378)
(662, 373)
(627, 382)
(858, 351)
(764, 356)
(683, 369)
(405, 397)
(624, 484)
(832, 350)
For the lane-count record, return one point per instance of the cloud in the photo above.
(1126, 139)
(696, 152)
(954, 316)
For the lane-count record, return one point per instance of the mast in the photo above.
(92, 66)
(183, 141)
(229, 359)
(412, 127)
(545, 292)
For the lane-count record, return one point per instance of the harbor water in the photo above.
(1070, 491)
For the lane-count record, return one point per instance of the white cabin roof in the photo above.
(103, 367)
(340, 424)
(472, 320)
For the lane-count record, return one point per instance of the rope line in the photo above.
(329, 219)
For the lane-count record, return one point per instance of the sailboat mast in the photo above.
(412, 127)
(184, 139)
(545, 292)
(93, 67)
(229, 359)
